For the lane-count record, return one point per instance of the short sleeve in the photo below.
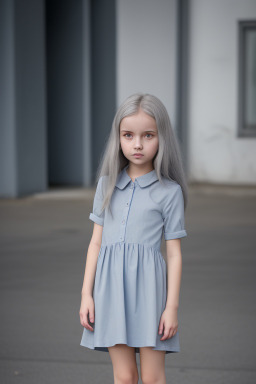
(173, 215)
(97, 215)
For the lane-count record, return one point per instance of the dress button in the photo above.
(127, 203)
(123, 221)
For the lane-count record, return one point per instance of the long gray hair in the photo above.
(168, 160)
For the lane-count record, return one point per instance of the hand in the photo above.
(168, 323)
(87, 308)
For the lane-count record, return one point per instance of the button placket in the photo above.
(126, 212)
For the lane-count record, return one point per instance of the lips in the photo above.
(138, 154)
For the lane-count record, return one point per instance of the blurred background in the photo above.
(65, 67)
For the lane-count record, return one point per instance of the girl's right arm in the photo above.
(87, 302)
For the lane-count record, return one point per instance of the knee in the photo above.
(153, 379)
(126, 377)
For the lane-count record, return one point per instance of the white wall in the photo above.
(146, 50)
(216, 153)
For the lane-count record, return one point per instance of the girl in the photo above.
(131, 306)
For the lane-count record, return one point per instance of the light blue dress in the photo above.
(130, 287)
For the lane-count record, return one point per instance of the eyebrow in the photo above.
(124, 130)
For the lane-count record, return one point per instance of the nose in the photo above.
(137, 143)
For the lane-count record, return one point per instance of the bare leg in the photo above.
(152, 366)
(124, 363)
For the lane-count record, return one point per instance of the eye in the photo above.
(126, 134)
(149, 134)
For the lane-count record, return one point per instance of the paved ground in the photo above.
(44, 241)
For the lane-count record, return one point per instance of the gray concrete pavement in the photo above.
(44, 240)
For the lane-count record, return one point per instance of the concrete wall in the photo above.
(216, 153)
(146, 50)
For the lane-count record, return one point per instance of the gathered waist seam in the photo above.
(126, 242)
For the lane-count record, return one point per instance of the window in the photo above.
(247, 78)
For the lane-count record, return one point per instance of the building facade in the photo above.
(67, 65)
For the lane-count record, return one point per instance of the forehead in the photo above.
(138, 121)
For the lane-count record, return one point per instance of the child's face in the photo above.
(138, 134)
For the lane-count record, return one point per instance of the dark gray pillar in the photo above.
(103, 70)
(64, 25)
(182, 77)
(22, 101)
(8, 182)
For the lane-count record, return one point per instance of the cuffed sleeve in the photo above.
(97, 214)
(173, 215)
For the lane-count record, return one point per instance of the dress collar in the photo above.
(144, 180)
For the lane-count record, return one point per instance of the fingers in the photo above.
(87, 318)
(168, 331)
(172, 332)
(91, 315)
(165, 335)
(161, 327)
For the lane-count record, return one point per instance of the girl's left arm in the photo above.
(174, 272)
